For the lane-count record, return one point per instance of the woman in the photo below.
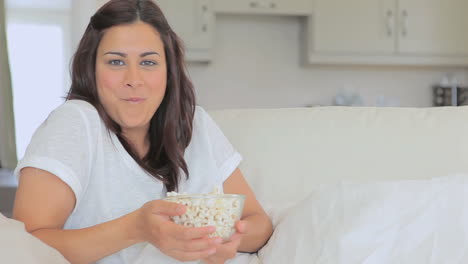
(91, 181)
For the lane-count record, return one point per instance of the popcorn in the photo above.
(212, 209)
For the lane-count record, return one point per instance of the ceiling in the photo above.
(42, 4)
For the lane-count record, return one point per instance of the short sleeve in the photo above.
(227, 159)
(62, 146)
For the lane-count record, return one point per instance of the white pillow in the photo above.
(18, 246)
(405, 222)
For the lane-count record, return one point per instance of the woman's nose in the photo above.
(133, 77)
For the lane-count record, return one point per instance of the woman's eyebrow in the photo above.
(149, 53)
(121, 54)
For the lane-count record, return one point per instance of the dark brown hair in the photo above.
(170, 129)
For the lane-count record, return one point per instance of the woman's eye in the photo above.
(116, 62)
(148, 63)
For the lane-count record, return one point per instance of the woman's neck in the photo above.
(138, 139)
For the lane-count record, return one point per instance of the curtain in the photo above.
(8, 158)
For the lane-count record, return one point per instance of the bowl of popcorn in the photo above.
(213, 209)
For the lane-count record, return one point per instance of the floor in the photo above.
(8, 186)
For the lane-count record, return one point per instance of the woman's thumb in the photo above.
(168, 208)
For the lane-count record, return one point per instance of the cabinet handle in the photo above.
(205, 17)
(390, 23)
(404, 23)
(253, 4)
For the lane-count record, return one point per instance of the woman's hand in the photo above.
(227, 250)
(182, 243)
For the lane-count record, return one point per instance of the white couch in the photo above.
(291, 153)
(18, 246)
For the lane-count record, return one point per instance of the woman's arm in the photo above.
(44, 202)
(258, 227)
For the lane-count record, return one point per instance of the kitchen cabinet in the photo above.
(274, 7)
(388, 32)
(193, 22)
(80, 13)
(433, 27)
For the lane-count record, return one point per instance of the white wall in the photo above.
(257, 63)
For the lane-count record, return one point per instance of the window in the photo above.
(39, 68)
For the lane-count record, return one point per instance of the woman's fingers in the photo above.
(225, 251)
(235, 237)
(189, 233)
(193, 255)
(197, 244)
(241, 226)
(161, 207)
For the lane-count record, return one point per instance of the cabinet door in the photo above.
(100, 3)
(278, 7)
(193, 21)
(353, 27)
(81, 12)
(434, 27)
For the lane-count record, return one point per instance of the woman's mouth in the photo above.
(134, 100)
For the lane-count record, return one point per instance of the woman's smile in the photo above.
(135, 100)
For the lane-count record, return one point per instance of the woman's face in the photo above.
(131, 74)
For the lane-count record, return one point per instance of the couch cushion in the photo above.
(403, 221)
(18, 246)
(288, 151)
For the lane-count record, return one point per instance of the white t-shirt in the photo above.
(74, 144)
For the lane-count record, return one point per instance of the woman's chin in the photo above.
(130, 125)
